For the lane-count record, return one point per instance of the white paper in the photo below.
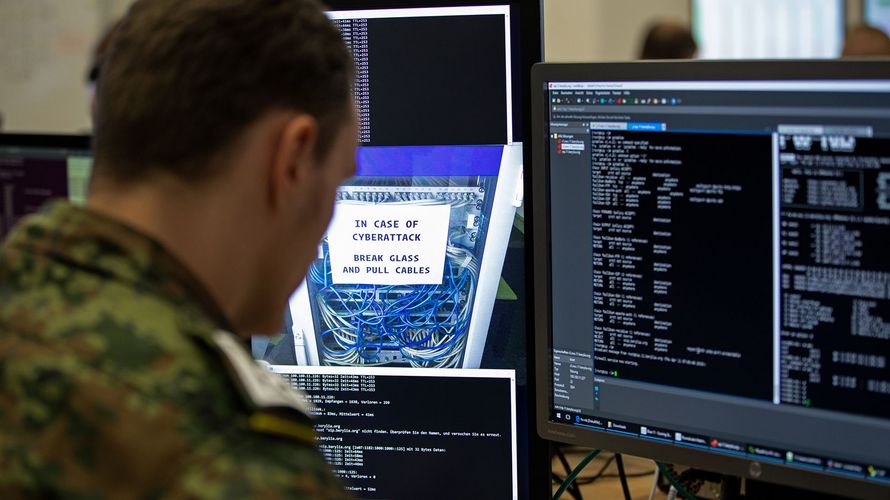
(388, 244)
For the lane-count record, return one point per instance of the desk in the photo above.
(608, 487)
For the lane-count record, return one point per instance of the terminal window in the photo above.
(451, 84)
(457, 424)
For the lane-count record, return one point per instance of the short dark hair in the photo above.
(183, 79)
(668, 40)
(100, 51)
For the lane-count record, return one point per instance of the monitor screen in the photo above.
(715, 266)
(768, 29)
(431, 75)
(366, 427)
(37, 168)
(422, 268)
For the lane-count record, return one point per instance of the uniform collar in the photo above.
(104, 246)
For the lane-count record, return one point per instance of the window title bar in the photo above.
(758, 85)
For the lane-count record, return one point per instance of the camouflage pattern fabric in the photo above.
(110, 386)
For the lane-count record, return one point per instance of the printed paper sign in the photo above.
(388, 244)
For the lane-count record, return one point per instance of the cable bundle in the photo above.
(419, 325)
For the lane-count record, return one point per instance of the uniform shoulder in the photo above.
(249, 464)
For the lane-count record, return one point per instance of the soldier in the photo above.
(223, 130)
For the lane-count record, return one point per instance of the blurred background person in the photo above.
(668, 39)
(866, 41)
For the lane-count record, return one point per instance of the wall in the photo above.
(602, 30)
(43, 63)
(612, 30)
(46, 46)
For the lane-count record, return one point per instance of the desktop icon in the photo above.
(884, 191)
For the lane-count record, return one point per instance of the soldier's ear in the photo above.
(293, 160)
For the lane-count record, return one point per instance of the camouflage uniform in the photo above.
(111, 384)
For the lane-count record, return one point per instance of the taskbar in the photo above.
(749, 451)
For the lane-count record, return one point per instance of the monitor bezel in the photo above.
(874, 69)
(73, 142)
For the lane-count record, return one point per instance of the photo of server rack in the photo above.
(407, 318)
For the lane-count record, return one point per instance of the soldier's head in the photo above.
(247, 104)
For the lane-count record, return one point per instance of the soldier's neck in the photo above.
(203, 227)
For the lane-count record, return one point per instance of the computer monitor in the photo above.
(711, 267)
(37, 168)
(422, 270)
